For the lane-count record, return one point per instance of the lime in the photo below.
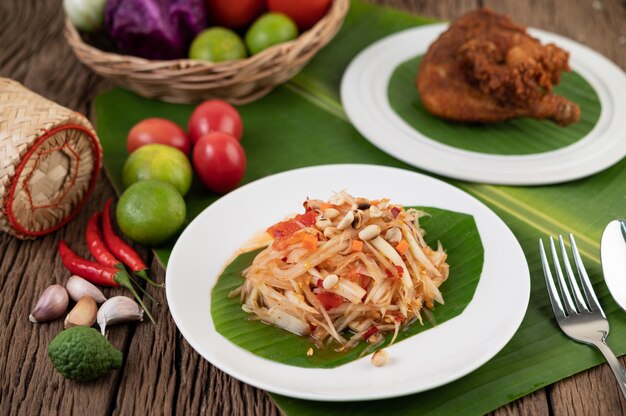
(160, 162)
(216, 45)
(150, 212)
(81, 353)
(269, 30)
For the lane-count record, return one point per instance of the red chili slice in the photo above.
(371, 331)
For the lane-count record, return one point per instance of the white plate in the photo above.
(364, 94)
(426, 360)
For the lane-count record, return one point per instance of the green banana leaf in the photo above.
(302, 123)
(515, 137)
(458, 235)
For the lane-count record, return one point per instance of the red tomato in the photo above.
(158, 130)
(329, 300)
(290, 226)
(219, 161)
(234, 14)
(304, 12)
(215, 115)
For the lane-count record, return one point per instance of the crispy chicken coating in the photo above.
(485, 68)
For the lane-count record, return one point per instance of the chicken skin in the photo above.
(485, 68)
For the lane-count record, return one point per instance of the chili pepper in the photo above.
(371, 331)
(120, 249)
(97, 248)
(97, 273)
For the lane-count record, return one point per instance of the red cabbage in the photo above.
(155, 29)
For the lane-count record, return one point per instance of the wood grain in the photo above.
(162, 374)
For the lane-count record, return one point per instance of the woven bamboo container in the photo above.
(50, 159)
(188, 81)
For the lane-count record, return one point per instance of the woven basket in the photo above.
(188, 81)
(49, 163)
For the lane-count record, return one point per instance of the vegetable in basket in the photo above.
(155, 29)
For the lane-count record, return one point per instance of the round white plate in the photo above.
(364, 94)
(426, 360)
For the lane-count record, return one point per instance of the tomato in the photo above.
(160, 131)
(329, 300)
(219, 161)
(234, 14)
(215, 115)
(290, 226)
(304, 12)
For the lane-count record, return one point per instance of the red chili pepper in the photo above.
(97, 248)
(122, 251)
(97, 273)
(373, 329)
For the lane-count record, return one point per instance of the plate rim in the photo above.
(516, 318)
(363, 107)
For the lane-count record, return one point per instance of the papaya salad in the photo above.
(350, 270)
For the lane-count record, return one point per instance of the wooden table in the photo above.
(161, 372)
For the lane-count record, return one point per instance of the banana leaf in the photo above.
(514, 137)
(458, 235)
(302, 123)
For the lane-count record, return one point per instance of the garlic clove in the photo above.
(118, 309)
(77, 287)
(83, 313)
(51, 304)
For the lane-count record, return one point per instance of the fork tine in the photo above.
(578, 296)
(592, 300)
(567, 298)
(552, 293)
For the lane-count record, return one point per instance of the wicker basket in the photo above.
(49, 164)
(187, 81)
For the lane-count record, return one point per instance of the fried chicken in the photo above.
(485, 68)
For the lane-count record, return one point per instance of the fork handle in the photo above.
(615, 365)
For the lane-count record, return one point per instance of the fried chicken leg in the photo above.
(485, 68)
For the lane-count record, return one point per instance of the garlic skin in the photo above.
(77, 287)
(51, 304)
(82, 314)
(118, 309)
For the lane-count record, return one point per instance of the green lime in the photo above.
(80, 353)
(216, 45)
(151, 212)
(160, 162)
(269, 30)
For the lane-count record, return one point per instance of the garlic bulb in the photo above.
(77, 287)
(86, 15)
(117, 310)
(51, 304)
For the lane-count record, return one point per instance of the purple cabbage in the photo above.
(155, 29)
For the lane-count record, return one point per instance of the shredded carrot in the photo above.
(325, 205)
(357, 245)
(402, 247)
(309, 242)
(374, 202)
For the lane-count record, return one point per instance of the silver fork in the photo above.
(582, 319)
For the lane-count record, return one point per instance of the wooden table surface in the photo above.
(161, 372)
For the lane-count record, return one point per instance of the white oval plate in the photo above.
(364, 95)
(426, 360)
